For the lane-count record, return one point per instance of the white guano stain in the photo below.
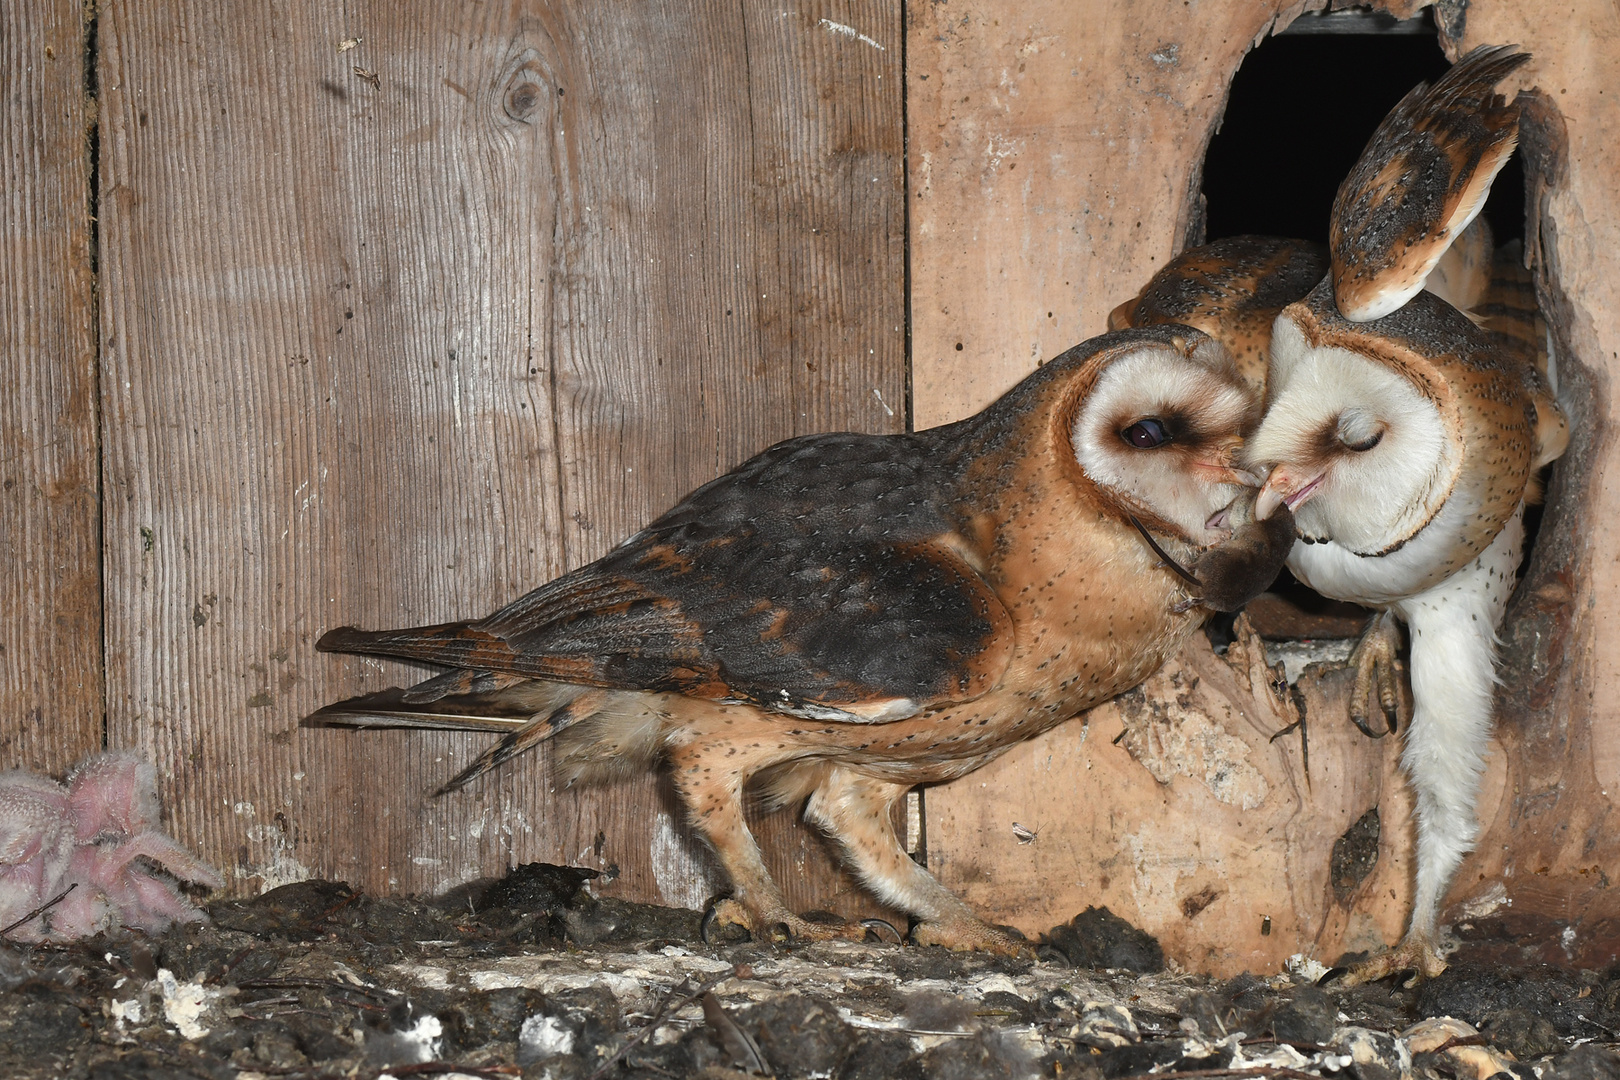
(275, 865)
(683, 879)
(850, 32)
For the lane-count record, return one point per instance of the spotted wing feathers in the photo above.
(822, 579)
(1422, 178)
(1231, 289)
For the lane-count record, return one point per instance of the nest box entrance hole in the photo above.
(1301, 109)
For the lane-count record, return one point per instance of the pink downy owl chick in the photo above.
(120, 844)
(36, 847)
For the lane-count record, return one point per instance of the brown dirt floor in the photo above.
(531, 976)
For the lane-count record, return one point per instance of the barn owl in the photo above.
(90, 855)
(1405, 219)
(846, 616)
(1407, 440)
(1232, 290)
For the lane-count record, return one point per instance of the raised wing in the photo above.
(823, 578)
(1422, 178)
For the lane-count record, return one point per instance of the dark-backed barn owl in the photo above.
(845, 616)
(1407, 439)
(1232, 290)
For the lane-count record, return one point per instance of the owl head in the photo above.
(1160, 428)
(1364, 435)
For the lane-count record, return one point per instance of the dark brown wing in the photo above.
(1420, 181)
(822, 578)
(1232, 290)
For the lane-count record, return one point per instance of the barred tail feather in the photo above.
(525, 738)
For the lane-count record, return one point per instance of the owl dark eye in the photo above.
(1365, 444)
(1146, 434)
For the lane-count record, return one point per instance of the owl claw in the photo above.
(1417, 956)
(882, 930)
(777, 925)
(1374, 661)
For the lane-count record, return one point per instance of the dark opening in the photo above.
(1302, 107)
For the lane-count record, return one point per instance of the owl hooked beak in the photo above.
(1288, 487)
(1219, 470)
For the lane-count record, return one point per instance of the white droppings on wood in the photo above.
(850, 32)
(1487, 902)
(684, 877)
(1180, 739)
(276, 866)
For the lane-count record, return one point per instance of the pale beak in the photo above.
(1219, 472)
(1285, 486)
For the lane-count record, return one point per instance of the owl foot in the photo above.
(969, 934)
(1415, 954)
(779, 924)
(1374, 661)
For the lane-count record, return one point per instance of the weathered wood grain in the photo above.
(1181, 808)
(1056, 150)
(396, 332)
(50, 577)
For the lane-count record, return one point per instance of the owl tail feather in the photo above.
(525, 738)
(527, 712)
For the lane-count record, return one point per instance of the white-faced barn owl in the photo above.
(845, 616)
(1407, 439)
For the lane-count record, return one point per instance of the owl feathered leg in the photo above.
(1374, 661)
(710, 779)
(1453, 680)
(855, 810)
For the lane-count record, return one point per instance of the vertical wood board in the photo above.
(1055, 158)
(394, 345)
(50, 578)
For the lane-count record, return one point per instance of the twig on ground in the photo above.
(669, 1006)
(46, 906)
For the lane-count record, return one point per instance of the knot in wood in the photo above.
(522, 96)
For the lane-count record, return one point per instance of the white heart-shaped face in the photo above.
(1161, 429)
(1357, 450)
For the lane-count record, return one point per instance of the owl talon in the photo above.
(1374, 661)
(970, 934)
(723, 911)
(875, 931)
(779, 926)
(1417, 956)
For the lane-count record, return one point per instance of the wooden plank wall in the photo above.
(50, 517)
(393, 333)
